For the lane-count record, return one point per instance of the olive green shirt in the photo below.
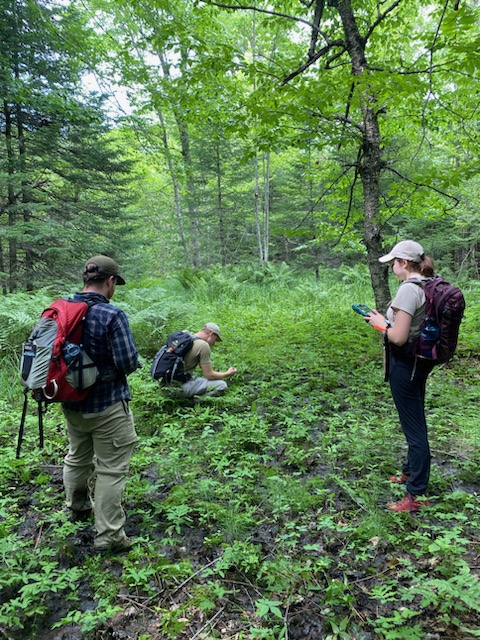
(199, 354)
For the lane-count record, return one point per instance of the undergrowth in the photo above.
(260, 514)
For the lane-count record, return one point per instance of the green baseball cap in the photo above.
(104, 266)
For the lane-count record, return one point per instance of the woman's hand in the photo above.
(376, 320)
(399, 331)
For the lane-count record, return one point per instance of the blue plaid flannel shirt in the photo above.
(108, 341)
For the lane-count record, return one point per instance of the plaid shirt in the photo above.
(108, 341)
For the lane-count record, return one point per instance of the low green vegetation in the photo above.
(260, 514)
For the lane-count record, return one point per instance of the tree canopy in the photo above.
(296, 131)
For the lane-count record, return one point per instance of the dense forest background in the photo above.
(179, 135)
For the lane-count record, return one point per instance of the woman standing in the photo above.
(407, 373)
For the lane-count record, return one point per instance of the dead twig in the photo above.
(186, 581)
(135, 603)
(39, 536)
(208, 623)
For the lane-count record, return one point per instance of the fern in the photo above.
(459, 593)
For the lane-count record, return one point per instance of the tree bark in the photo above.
(371, 163)
(182, 126)
(266, 205)
(11, 198)
(221, 217)
(256, 210)
(176, 190)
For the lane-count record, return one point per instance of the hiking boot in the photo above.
(401, 479)
(121, 546)
(80, 516)
(408, 503)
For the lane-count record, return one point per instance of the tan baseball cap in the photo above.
(104, 266)
(407, 250)
(214, 328)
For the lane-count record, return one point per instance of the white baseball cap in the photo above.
(407, 250)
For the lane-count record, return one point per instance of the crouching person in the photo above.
(211, 382)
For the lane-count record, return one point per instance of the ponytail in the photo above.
(427, 267)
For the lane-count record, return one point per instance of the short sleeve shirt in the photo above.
(199, 354)
(410, 298)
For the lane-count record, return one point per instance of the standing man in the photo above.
(100, 428)
(213, 382)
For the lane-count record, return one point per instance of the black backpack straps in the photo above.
(21, 428)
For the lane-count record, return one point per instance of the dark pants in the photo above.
(408, 379)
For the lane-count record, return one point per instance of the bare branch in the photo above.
(430, 74)
(380, 19)
(399, 206)
(258, 10)
(321, 196)
(313, 59)
(430, 69)
(347, 111)
(328, 64)
(425, 186)
(350, 204)
(316, 23)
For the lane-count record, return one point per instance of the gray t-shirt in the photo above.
(410, 298)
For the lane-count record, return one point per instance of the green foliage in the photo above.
(264, 508)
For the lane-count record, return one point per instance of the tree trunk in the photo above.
(371, 163)
(176, 190)
(22, 150)
(182, 125)
(256, 210)
(191, 197)
(11, 200)
(266, 204)
(221, 219)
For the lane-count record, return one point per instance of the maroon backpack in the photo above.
(445, 306)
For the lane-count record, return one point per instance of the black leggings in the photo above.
(408, 377)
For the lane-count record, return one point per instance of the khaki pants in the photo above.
(203, 387)
(101, 445)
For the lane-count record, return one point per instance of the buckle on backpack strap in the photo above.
(55, 391)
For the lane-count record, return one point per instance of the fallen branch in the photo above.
(186, 581)
(208, 623)
(39, 536)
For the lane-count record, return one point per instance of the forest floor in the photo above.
(261, 514)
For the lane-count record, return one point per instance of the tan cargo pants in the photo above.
(96, 467)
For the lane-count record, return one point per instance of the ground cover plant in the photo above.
(260, 514)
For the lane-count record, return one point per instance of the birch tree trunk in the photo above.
(266, 205)
(257, 210)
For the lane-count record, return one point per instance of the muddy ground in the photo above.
(234, 614)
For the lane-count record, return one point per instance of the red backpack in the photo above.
(54, 367)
